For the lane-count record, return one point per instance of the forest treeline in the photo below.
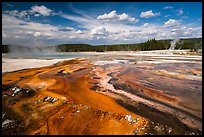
(194, 44)
(152, 44)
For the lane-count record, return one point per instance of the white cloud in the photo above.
(19, 14)
(149, 14)
(36, 15)
(146, 24)
(66, 28)
(37, 34)
(12, 13)
(73, 37)
(69, 28)
(171, 22)
(180, 12)
(99, 31)
(113, 16)
(127, 18)
(23, 14)
(36, 11)
(95, 31)
(168, 7)
(79, 32)
(29, 32)
(42, 10)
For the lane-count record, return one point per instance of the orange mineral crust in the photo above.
(61, 102)
(78, 97)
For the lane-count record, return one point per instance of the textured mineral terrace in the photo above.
(110, 93)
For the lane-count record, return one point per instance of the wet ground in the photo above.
(107, 94)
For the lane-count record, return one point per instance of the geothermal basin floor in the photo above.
(117, 93)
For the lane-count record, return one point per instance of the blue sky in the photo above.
(52, 23)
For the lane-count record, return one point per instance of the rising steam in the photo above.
(20, 51)
(173, 43)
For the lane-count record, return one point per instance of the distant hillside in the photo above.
(191, 43)
(152, 44)
(73, 47)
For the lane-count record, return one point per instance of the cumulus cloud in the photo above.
(127, 18)
(79, 32)
(42, 10)
(19, 14)
(149, 14)
(37, 15)
(172, 22)
(99, 31)
(23, 14)
(35, 11)
(113, 16)
(37, 34)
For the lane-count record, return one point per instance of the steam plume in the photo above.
(173, 43)
(21, 51)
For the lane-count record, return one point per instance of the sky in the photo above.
(98, 23)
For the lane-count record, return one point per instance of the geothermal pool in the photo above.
(106, 93)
